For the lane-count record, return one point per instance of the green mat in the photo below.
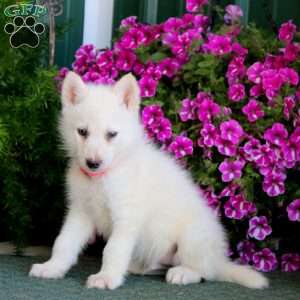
(15, 284)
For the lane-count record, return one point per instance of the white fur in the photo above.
(146, 205)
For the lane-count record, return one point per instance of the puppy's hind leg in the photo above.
(182, 275)
(201, 254)
(186, 270)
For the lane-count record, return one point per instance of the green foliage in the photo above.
(205, 72)
(31, 167)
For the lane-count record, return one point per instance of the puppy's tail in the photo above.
(243, 275)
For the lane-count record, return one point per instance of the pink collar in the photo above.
(94, 174)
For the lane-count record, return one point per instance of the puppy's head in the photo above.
(100, 124)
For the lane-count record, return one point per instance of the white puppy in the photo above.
(136, 196)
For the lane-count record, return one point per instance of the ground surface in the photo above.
(16, 285)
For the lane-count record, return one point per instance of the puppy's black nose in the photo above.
(93, 164)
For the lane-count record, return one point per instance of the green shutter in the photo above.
(123, 9)
(147, 11)
(259, 11)
(168, 9)
(69, 42)
(262, 12)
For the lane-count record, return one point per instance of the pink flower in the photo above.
(291, 52)
(125, 60)
(287, 31)
(132, 39)
(264, 260)
(208, 109)
(288, 106)
(225, 147)
(201, 22)
(274, 62)
(209, 133)
(105, 60)
(138, 68)
(233, 13)
(187, 110)
(237, 207)
(256, 90)
(104, 77)
(180, 43)
(148, 86)
(172, 24)
(239, 50)
(265, 156)
(290, 262)
(274, 168)
(251, 149)
(231, 211)
(201, 96)
(156, 124)
(259, 228)
(274, 185)
(181, 146)
(276, 135)
(129, 22)
(213, 201)
(162, 129)
(62, 74)
(218, 44)
(295, 136)
(246, 249)
(253, 110)
(254, 72)
(195, 5)
(231, 170)
(84, 57)
(289, 75)
(152, 70)
(236, 69)
(236, 92)
(169, 67)
(231, 131)
(227, 111)
(151, 33)
(170, 38)
(271, 80)
(187, 20)
(104, 71)
(291, 152)
(229, 190)
(151, 114)
(293, 210)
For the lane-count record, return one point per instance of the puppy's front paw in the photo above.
(103, 280)
(47, 270)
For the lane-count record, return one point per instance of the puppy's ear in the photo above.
(128, 89)
(73, 89)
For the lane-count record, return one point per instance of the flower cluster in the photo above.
(156, 124)
(229, 113)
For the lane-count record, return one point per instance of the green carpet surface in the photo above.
(16, 285)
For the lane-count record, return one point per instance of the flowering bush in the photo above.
(223, 100)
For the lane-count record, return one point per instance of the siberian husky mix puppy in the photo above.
(137, 197)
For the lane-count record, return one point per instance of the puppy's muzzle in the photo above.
(93, 164)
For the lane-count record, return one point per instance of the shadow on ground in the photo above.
(15, 284)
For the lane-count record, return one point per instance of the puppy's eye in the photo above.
(111, 134)
(83, 132)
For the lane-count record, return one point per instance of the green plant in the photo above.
(223, 99)
(31, 167)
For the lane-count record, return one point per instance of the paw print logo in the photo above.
(24, 32)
